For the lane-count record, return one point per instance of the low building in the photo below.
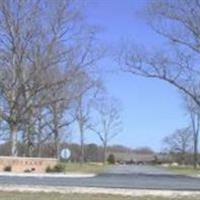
(133, 158)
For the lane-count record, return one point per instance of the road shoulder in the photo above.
(93, 190)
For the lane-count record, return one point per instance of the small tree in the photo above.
(111, 159)
(179, 143)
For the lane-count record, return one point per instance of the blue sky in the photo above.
(151, 109)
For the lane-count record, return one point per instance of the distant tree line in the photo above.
(93, 152)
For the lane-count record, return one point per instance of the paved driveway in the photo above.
(139, 169)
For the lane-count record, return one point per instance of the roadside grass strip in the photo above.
(82, 192)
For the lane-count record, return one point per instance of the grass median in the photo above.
(86, 168)
(185, 170)
(57, 196)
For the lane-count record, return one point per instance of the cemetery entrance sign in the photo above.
(25, 164)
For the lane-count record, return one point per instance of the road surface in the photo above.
(130, 177)
(139, 169)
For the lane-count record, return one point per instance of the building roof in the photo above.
(131, 156)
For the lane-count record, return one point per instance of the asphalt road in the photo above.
(132, 177)
(138, 169)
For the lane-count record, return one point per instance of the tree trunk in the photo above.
(104, 152)
(195, 161)
(57, 145)
(39, 152)
(14, 132)
(28, 141)
(39, 145)
(56, 132)
(82, 156)
(39, 139)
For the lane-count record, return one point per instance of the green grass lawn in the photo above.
(56, 196)
(185, 170)
(85, 168)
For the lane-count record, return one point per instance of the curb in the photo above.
(67, 175)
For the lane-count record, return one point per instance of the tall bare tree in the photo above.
(176, 24)
(108, 123)
(60, 115)
(37, 38)
(87, 88)
(176, 62)
(194, 114)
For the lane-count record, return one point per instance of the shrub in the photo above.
(7, 169)
(48, 169)
(27, 171)
(111, 159)
(57, 168)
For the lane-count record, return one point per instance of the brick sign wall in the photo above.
(22, 164)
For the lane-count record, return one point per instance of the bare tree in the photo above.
(176, 24)
(108, 123)
(60, 116)
(42, 130)
(180, 142)
(176, 62)
(87, 88)
(82, 116)
(15, 39)
(38, 38)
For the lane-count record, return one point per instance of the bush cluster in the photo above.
(57, 168)
(111, 159)
(7, 169)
